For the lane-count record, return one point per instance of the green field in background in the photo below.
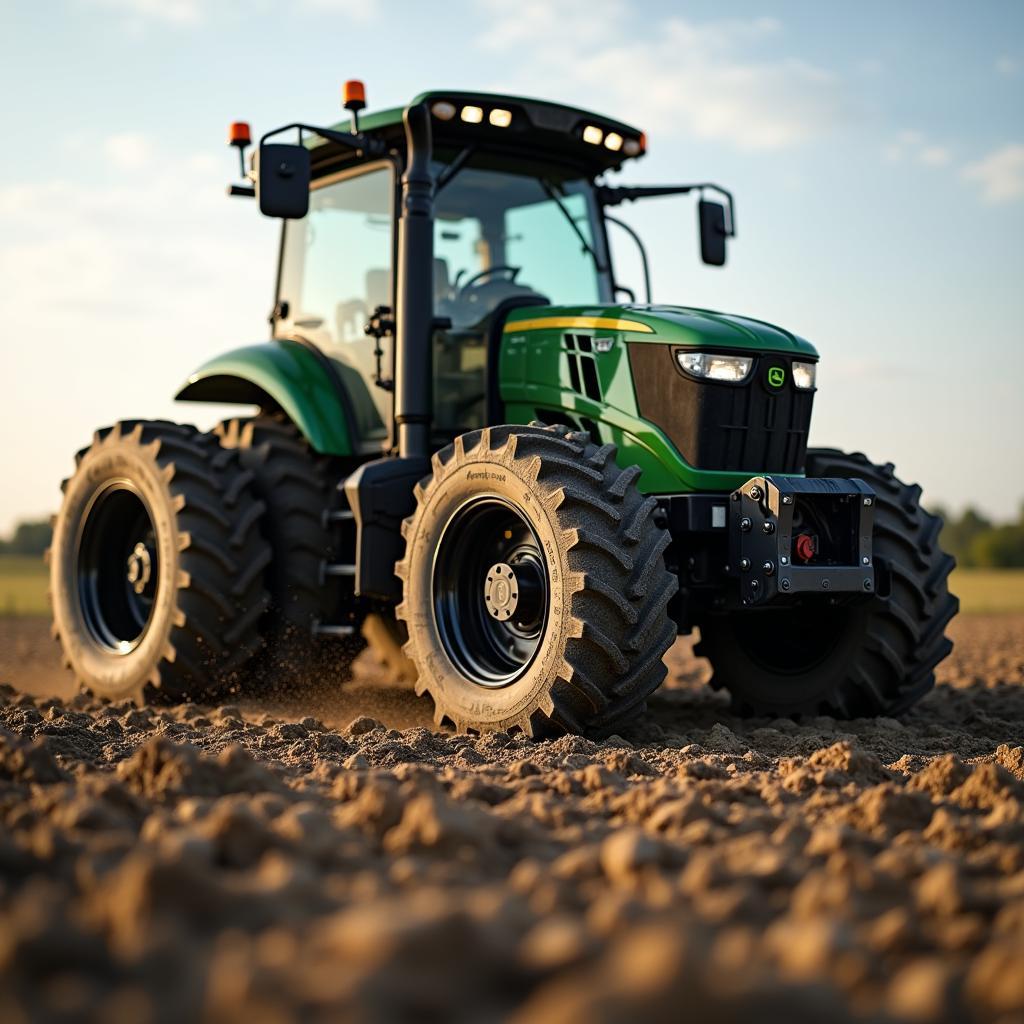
(23, 583)
(989, 590)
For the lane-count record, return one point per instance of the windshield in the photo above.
(499, 235)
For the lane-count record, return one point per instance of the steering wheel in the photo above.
(498, 268)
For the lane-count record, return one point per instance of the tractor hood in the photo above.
(675, 325)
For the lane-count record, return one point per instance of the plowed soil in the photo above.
(335, 857)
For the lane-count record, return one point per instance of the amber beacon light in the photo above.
(240, 137)
(353, 98)
(239, 134)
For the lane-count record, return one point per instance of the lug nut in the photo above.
(787, 499)
(768, 567)
(826, 585)
(784, 560)
(755, 493)
(785, 584)
(866, 560)
(754, 585)
(867, 584)
(744, 564)
(745, 524)
(767, 526)
(867, 502)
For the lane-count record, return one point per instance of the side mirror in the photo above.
(282, 180)
(712, 232)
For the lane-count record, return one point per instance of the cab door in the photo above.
(337, 267)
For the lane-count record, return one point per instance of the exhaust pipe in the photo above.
(414, 356)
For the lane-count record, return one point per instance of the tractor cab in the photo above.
(517, 222)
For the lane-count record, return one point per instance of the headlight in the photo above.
(710, 366)
(803, 375)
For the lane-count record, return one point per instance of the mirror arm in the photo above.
(359, 143)
(613, 195)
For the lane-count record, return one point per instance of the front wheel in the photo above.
(535, 589)
(875, 657)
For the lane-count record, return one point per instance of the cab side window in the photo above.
(336, 269)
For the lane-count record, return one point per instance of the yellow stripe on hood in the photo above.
(607, 323)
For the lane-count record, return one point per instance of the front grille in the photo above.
(746, 427)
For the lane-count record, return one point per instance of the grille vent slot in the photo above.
(579, 354)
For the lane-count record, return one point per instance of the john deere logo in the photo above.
(776, 376)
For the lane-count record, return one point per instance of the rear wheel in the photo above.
(300, 491)
(157, 565)
(876, 657)
(535, 589)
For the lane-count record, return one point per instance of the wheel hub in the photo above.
(140, 567)
(501, 592)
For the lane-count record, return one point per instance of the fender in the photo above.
(291, 375)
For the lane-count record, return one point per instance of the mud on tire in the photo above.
(157, 564)
(873, 658)
(602, 640)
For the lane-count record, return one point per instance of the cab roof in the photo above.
(519, 126)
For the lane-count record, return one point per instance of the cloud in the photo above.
(915, 146)
(127, 151)
(137, 14)
(1000, 174)
(170, 12)
(935, 156)
(701, 79)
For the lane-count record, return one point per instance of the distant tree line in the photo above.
(29, 538)
(974, 539)
(978, 543)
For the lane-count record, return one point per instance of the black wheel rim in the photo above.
(490, 591)
(118, 567)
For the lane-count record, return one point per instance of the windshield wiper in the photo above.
(553, 195)
(450, 170)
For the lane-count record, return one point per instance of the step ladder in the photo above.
(338, 573)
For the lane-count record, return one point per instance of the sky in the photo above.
(876, 152)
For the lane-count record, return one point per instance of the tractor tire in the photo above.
(298, 488)
(875, 657)
(535, 588)
(157, 565)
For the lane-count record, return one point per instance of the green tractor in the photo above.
(471, 435)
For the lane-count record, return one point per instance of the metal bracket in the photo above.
(761, 540)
